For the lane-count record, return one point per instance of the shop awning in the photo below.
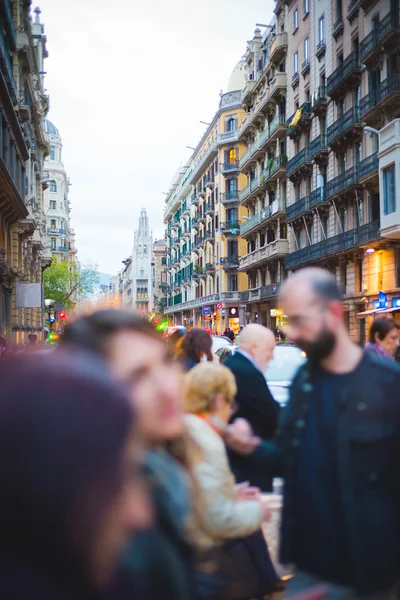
(377, 311)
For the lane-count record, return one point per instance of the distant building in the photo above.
(142, 288)
(159, 273)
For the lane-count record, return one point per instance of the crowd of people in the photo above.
(137, 468)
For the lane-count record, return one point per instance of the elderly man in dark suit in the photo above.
(254, 400)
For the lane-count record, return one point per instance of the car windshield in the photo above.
(285, 363)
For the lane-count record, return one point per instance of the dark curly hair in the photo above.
(196, 343)
(381, 326)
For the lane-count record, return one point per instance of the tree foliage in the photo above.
(64, 283)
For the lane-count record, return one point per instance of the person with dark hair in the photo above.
(338, 449)
(162, 558)
(3, 345)
(71, 486)
(383, 338)
(196, 347)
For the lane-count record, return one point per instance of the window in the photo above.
(53, 186)
(295, 20)
(233, 283)
(53, 203)
(52, 153)
(321, 29)
(232, 156)
(306, 7)
(296, 62)
(53, 223)
(53, 243)
(306, 49)
(230, 124)
(343, 218)
(389, 190)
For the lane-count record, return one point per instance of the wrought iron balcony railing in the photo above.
(345, 122)
(297, 208)
(342, 182)
(318, 145)
(230, 196)
(339, 75)
(368, 166)
(317, 197)
(301, 158)
(292, 123)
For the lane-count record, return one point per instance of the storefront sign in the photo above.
(206, 310)
(276, 312)
(382, 301)
(233, 313)
(396, 303)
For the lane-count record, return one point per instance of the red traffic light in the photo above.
(62, 315)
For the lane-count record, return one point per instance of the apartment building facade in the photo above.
(23, 147)
(343, 75)
(202, 219)
(264, 167)
(159, 274)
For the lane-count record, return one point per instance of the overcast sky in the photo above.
(129, 81)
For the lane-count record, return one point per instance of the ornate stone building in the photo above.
(23, 148)
(142, 289)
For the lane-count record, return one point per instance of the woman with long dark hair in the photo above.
(196, 347)
(71, 492)
(383, 338)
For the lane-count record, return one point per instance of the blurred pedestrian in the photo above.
(162, 557)
(338, 449)
(225, 512)
(72, 492)
(32, 338)
(196, 347)
(383, 338)
(254, 400)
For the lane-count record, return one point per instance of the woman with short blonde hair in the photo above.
(204, 384)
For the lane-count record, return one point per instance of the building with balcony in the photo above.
(56, 200)
(159, 266)
(264, 165)
(23, 147)
(334, 195)
(202, 219)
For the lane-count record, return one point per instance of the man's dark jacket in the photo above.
(256, 404)
(368, 458)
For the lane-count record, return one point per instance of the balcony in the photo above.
(199, 243)
(299, 121)
(345, 76)
(209, 182)
(368, 233)
(210, 208)
(368, 169)
(299, 164)
(319, 101)
(386, 98)
(320, 49)
(277, 88)
(245, 193)
(195, 223)
(247, 157)
(278, 49)
(314, 252)
(317, 197)
(348, 126)
(210, 268)
(230, 227)
(366, 4)
(352, 10)
(319, 150)
(230, 166)
(8, 69)
(295, 80)
(268, 291)
(272, 251)
(298, 208)
(343, 183)
(338, 29)
(230, 263)
(210, 235)
(228, 137)
(277, 127)
(56, 231)
(385, 36)
(250, 223)
(305, 67)
(229, 197)
(195, 200)
(260, 218)
(202, 163)
(62, 249)
(248, 91)
(276, 168)
(202, 217)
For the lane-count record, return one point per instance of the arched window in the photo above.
(53, 186)
(231, 124)
(141, 272)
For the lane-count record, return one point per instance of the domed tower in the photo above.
(56, 197)
(141, 265)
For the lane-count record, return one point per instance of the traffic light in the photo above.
(62, 315)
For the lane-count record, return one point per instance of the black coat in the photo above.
(368, 456)
(257, 406)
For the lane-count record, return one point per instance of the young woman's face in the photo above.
(129, 510)
(391, 341)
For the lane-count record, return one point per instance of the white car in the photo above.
(219, 342)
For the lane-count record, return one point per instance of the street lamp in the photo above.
(371, 130)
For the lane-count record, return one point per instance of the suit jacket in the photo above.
(257, 406)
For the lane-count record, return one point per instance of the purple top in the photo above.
(378, 351)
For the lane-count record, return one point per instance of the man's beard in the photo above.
(320, 348)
